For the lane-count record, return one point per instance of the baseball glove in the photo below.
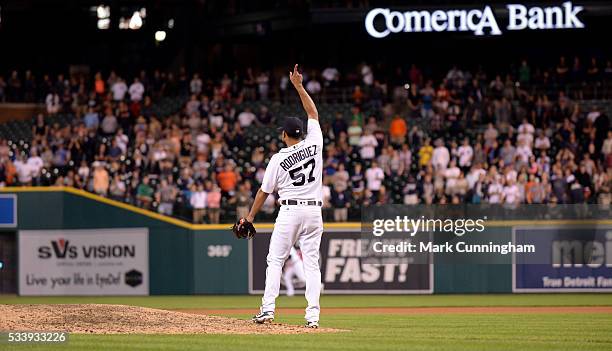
(243, 229)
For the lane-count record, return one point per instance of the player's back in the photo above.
(296, 172)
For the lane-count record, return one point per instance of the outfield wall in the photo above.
(179, 262)
(206, 259)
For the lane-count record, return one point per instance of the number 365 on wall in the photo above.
(219, 250)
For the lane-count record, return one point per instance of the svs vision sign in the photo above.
(479, 21)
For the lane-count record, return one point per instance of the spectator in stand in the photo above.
(91, 119)
(340, 178)
(374, 176)
(35, 164)
(523, 153)
(490, 135)
(367, 75)
(425, 153)
(398, 130)
(465, 152)
(40, 129)
(414, 101)
(559, 185)
(357, 115)
(144, 193)
(119, 89)
(246, 118)
(542, 142)
(368, 144)
(495, 191)
(339, 125)
(243, 200)
(109, 124)
(118, 188)
(524, 73)
(165, 197)
(199, 202)
(61, 157)
(195, 86)
(53, 103)
(24, 171)
(265, 117)
(331, 77)
(451, 174)
(354, 133)
(358, 95)
(440, 156)
(341, 201)
(357, 181)
(508, 152)
(99, 85)
(136, 90)
(100, 179)
(227, 180)
(313, 86)
(193, 106)
(263, 85)
(526, 127)
(214, 202)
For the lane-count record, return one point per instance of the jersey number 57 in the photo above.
(299, 177)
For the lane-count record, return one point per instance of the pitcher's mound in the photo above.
(120, 319)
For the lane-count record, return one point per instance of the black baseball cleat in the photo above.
(313, 325)
(263, 317)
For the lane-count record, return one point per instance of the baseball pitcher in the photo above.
(295, 172)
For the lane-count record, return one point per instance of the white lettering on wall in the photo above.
(478, 21)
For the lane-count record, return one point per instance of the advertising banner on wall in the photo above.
(579, 259)
(8, 210)
(381, 22)
(344, 270)
(84, 262)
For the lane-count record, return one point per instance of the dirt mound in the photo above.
(120, 319)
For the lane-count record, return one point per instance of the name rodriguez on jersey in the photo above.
(298, 156)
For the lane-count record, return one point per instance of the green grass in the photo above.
(457, 332)
(229, 301)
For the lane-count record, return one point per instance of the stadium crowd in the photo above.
(407, 137)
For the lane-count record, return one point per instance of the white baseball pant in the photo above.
(303, 224)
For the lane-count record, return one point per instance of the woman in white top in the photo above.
(198, 202)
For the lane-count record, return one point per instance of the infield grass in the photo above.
(353, 301)
(457, 332)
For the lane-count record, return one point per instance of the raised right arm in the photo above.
(309, 106)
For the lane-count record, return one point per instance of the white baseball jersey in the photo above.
(297, 171)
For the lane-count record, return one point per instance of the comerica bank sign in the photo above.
(479, 21)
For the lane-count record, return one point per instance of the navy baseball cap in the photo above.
(293, 127)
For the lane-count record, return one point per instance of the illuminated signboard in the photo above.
(478, 21)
